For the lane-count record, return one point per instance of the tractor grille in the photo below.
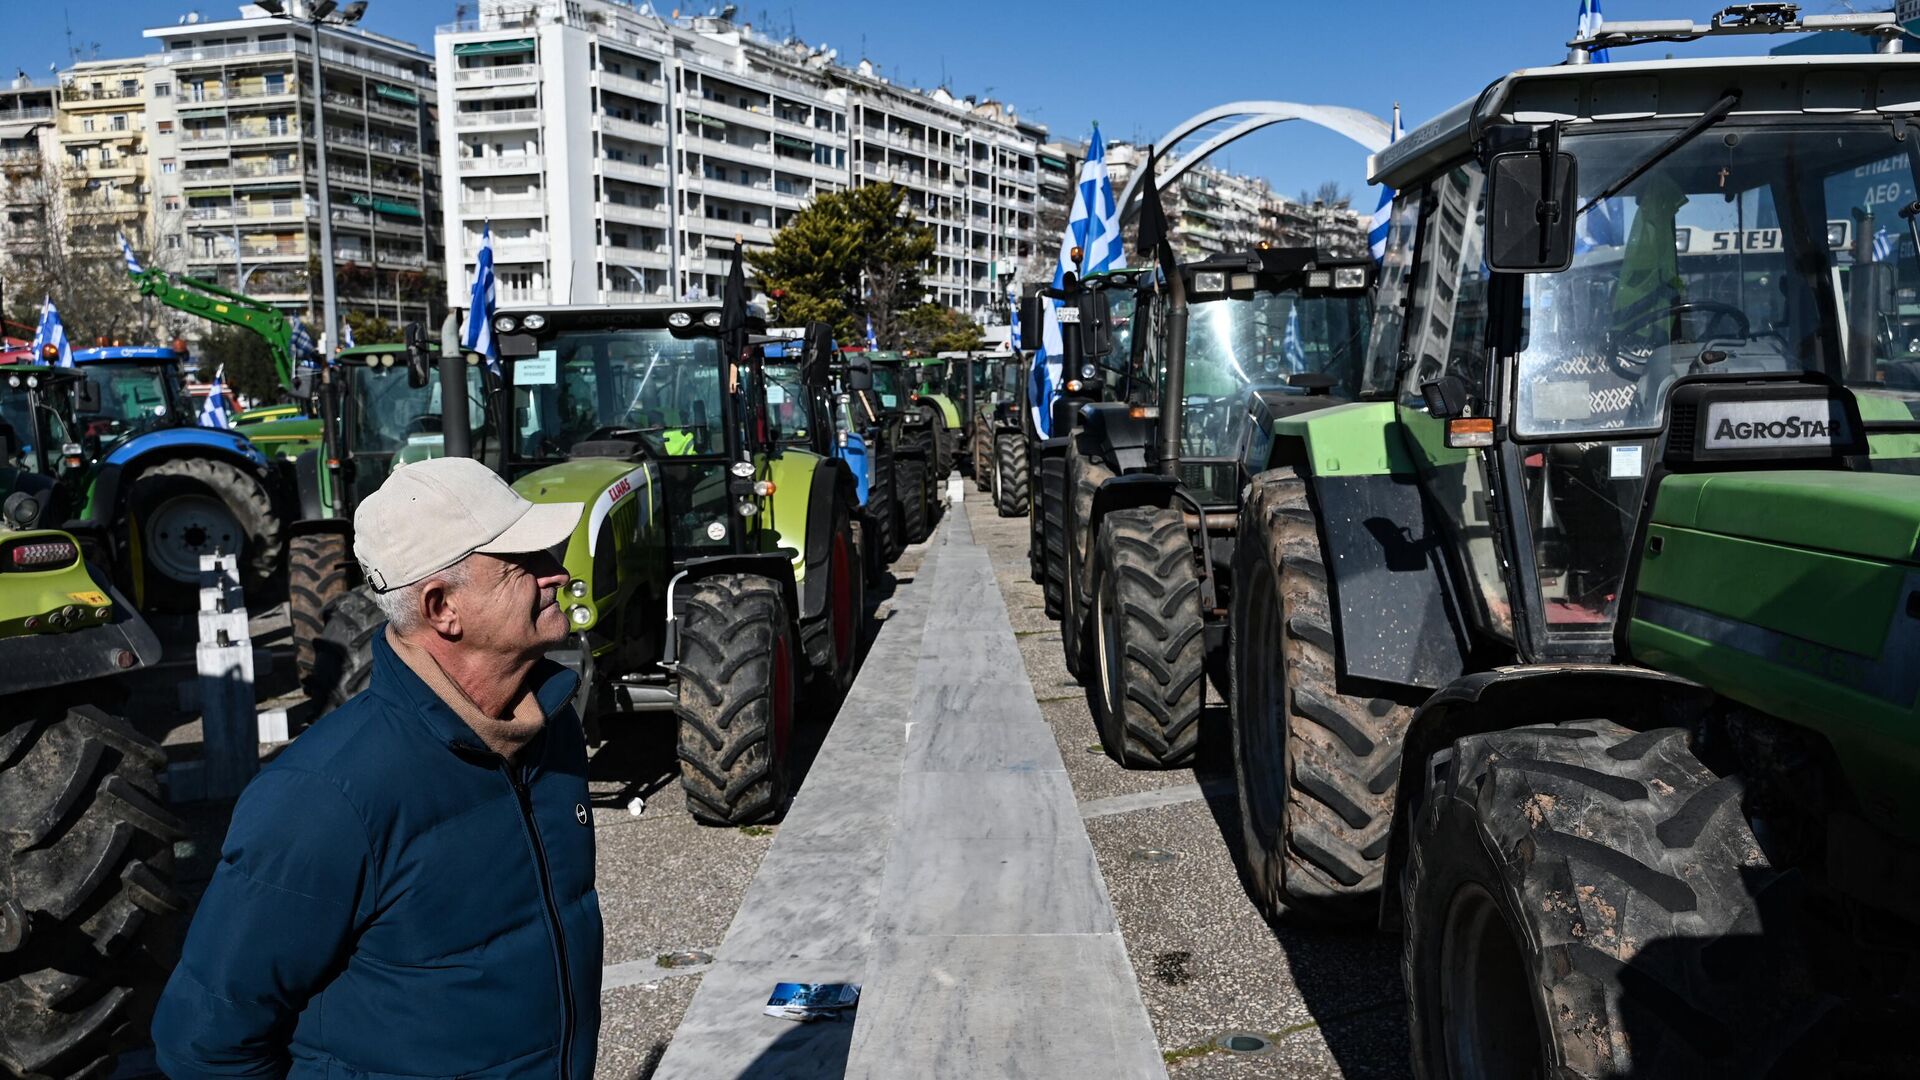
(1214, 483)
(1684, 418)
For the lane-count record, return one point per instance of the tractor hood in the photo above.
(1869, 515)
(194, 438)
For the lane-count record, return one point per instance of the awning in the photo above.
(790, 141)
(1052, 162)
(708, 121)
(201, 114)
(386, 206)
(396, 94)
(493, 48)
(209, 193)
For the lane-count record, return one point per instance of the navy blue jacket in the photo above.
(394, 900)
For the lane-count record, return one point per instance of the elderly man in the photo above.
(408, 889)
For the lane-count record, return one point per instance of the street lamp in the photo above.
(317, 16)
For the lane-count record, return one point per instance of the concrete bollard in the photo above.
(229, 730)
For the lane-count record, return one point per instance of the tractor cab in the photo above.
(129, 391)
(390, 415)
(35, 436)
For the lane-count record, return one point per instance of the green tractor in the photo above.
(911, 436)
(86, 842)
(1583, 651)
(714, 574)
(971, 380)
(1096, 326)
(930, 395)
(1009, 478)
(1154, 481)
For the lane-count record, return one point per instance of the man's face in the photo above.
(510, 604)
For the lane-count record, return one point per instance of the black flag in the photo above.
(1152, 239)
(733, 297)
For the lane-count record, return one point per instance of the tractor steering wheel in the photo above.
(1629, 366)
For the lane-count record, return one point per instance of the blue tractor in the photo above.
(164, 488)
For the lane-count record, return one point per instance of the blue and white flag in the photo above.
(51, 334)
(304, 352)
(1013, 305)
(346, 334)
(1383, 213)
(1589, 22)
(1884, 245)
(213, 412)
(1093, 226)
(873, 343)
(479, 336)
(126, 249)
(1291, 347)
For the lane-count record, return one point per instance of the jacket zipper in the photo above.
(553, 918)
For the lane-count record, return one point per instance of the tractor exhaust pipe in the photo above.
(1173, 406)
(453, 390)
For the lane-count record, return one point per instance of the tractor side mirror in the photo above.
(1032, 311)
(420, 358)
(1529, 227)
(859, 374)
(303, 383)
(86, 396)
(1096, 324)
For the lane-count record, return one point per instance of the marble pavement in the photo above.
(934, 855)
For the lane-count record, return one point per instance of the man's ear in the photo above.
(438, 610)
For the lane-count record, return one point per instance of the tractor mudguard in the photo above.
(1395, 612)
(948, 412)
(145, 451)
(1133, 491)
(1634, 697)
(306, 484)
(222, 443)
(1109, 433)
(830, 478)
(765, 564)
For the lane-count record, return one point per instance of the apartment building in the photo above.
(1212, 210)
(232, 107)
(27, 141)
(617, 154)
(100, 127)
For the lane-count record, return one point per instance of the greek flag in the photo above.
(51, 334)
(304, 352)
(1013, 305)
(1589, 22)
(346, 334)
(1093, 226)
(213, 413)
(126, 249)
(1383, 213)
(1884, 245)
(479, 337)
(873, 343)
(1291, 347)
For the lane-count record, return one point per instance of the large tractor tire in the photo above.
(343, 654)
(883, 497)
(189, 507)
(1084, 478)
(1584, 900)
(1053, 532)
(86, 889)
(915, 514)
(980, 440)
(736, 700)
(1316, 758)
(832, 639)
(318, 566)
(1010, 474)
(1149, 664)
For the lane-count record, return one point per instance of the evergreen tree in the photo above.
(846, 257)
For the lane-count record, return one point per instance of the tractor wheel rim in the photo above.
(1486, 1008)
(842, 603)
(186, 527)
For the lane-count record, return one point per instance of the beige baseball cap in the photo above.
(431, 514)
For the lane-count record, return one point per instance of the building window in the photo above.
(276, 82)
(86, 123)
(119, 121)
(167, 166)
(173, 243)
(165, 126)
(162, 90)
(171, 202)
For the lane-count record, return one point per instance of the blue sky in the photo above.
(1135, 67)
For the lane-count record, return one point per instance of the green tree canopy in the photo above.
(933, 328)
(248, 363)
(848, 255)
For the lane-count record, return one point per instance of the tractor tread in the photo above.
(1145, 558)
(731, 628)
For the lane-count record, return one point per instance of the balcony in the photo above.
(15, 116)
(631, 87)
(353, 140)
(506, 163)
(74, 95)
(503, 208)
(632, 129)
(653, 217)
(754, 153)
(633, 171)
(501, 118)
(492, 76)
(633, 296)
(283, 249)
(516, 250)
(634, 256)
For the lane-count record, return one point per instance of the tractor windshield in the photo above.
(1120, 305)
(134, 399)
(888, 383)
(651, 385)
(1235, 345)
(788, 403)
(390, 423)
(20, 441)
(1748, 250)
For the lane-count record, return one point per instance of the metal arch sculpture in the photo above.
(1361, 126)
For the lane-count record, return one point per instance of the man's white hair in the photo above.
(401, 606)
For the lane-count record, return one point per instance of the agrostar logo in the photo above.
(1768, 425)
(1792, 428)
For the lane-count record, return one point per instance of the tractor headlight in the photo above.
(33, 382)
(747, 508)
(716, 530)
(577, 589)
(1350, 277)
(580, 616)
(1320, 279)
(1210, 281)
(504, 324)
(741, 469)
(534, 322)
(1241, 282)
(679, 319)
(711, 318)
(1088, 371)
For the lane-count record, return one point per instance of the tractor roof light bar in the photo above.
(1759, 18)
